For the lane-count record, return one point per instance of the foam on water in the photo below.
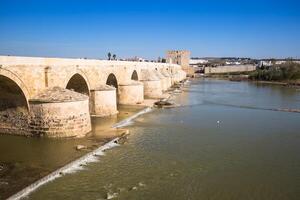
(128, 121)
(67, 169)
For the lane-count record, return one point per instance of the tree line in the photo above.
(277, 72)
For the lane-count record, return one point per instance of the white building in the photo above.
(196, 62)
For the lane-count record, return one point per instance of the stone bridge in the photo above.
(55, 97)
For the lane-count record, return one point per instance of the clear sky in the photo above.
(147, 28)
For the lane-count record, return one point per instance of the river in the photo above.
(225, 141)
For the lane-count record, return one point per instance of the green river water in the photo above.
(223, 142)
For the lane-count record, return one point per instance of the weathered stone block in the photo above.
(131, 94)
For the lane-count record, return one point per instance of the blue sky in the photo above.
(91, 28)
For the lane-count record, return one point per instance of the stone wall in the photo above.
(229, 69)
(56, 112)
(14, 121)
(63, 119)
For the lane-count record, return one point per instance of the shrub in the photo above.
(285, 71)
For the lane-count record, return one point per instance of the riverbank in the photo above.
(245, 77)
(287, 73)
(295, 84)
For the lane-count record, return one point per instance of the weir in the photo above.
(55, 97)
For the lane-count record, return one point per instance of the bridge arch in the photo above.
(112, 80)
(134, 76)
(13, 92)
(79, 83)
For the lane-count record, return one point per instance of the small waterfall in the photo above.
(69, 168)
(128, 121)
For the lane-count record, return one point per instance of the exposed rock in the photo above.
(176, 86)
(123, 136)
(163, 103)
(81, 147)
(111, 195)
(3, 183)
(121, 189)
(134, 188)
(141, 184)
(177, 91)
(126, 133)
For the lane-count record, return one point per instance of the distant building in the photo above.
(271, 62)
(197, 62)
(232, 63)
(181, 58)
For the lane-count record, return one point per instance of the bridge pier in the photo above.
(164, 81)
(103, 101)
(152, 89)
(152, 84)
(58, 112)
(168, 79)
(131, 93)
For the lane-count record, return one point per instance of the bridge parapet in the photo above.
(39, 73)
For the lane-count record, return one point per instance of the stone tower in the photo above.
(182, 58)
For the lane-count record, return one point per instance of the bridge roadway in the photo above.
(55, 97)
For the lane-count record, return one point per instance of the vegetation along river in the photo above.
(225, 141)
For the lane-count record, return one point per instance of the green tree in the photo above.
(109, 56)
(114, 57)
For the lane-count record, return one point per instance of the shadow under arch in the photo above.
(12, 95)
(78, 84)
(134, 76)
(112, 80)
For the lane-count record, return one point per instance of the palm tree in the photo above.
(109, 55)
(114, 57)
